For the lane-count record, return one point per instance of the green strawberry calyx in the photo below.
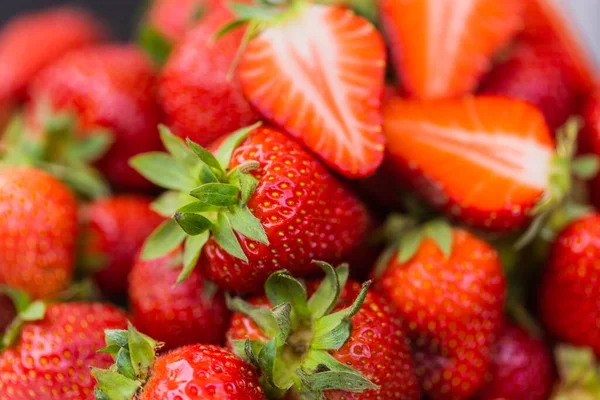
(27, 311)
(301, 334)
(579, 374)
(134, 354)
(205, 198)
(60, 149)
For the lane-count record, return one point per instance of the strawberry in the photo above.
(570, 289)
(521, 369)
(65, 28)
(489, 162)
(536, 72)
(190, 312)
(195, 372)
(54, 348)
(332, 64)
(114, 230)
(589, 139)
(38, 227)
(107, 87)
(440, 48)
(260, 204)
(345, 342)
(198, 98)
(450, 289)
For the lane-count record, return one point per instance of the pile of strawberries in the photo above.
(300, 199)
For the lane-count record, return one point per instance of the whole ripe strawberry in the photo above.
(332, 63)
(52, 355)
(570, 288)
(114, 230)
(521, 369)
(195, 372)
(38, 229)
(260, 204)
(199, 99)
(449, 288)
(489, 162)
(536, 73)
(189, 312)
(345, 342)
(589, 138)
(441, 50)
(65, 28)
(109, 88)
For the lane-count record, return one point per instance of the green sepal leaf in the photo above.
(197, 207)
(321, 360)
(254, 13)
(263, 317)
(116, 337)
(114, 385)
(34, 312)
(326, 295)
(193, 224)
(333, 339)
(113, 350)
(81, 178)
(585, 167)
(177, 148)
(226, 148)
(246, 182)
(207, 175)
(247, 224)
(169, 202)
(224, 236)
(441, 233)
(164, 239)
(266, 359)
(19, 298)
(283, 315)
(141, 349)
(217, 194)
(347, 381)
(282, 288)
(409, 244)
(328, 323)
(206, 156)
(162, 170)
(124, 365)
(247, 349)
(191, 252)
(155, 44)
(99, 394)
(91, 147)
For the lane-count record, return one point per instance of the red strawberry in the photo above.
(197, 96)
(449, 288)
(331, 64)
(570, 288)
(195, 372)
(110, 87)
(343, 331)
(486, 161)
(114, 230)
(52, 356)
(38, 227)
(442, 48)
(33, 41)
(522, 368)
(589, 139)
(287, 212)
(536, 72)
(186, 313)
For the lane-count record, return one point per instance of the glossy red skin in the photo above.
(570, 286)
(202, 372)
(38, 228)
(536, 72)
(198, 99)
(115, 229)
(306, 213)
(173, 18)
(52, 358)
(521, 368)
(376, 340)
(589, 139)
(33, 41)
(177, 315)
(111, 87)
(452, 311)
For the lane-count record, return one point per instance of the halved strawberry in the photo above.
(319, 73)
(442, 47)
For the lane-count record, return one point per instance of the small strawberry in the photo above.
(114, 230)
(489, 162)
(38, 228)
(25, 45)
(198, 98)
(450, 289)
(195, 372)
(99, 88)
(521, 369)
(345, 342)
(331, 64)
(535, 72)
(50, 350)
(570, 288)
(178, 315)
(441, 48)
(259, 204)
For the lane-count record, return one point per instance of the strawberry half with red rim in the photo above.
(49, 349)
(344, 342)
(259, 204)
(193, 311)
(442, 48)
(195, 372)
(489, 162)
(449, 288)
(331, 64)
